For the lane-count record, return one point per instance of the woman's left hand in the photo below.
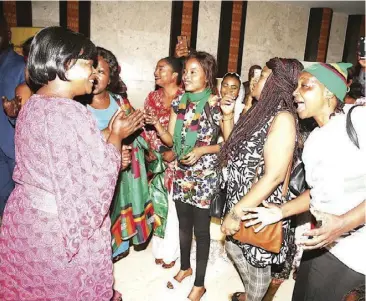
(230, 224)
(267, 215)
(126, 156)
(192, 157)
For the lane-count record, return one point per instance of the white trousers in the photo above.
(167, 248)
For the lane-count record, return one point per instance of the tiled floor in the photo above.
(139, 278)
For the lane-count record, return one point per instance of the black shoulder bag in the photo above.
(219, 199)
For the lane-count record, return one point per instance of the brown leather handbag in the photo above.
(269, 238)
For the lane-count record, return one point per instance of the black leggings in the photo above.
(323, 277)
(192, 217)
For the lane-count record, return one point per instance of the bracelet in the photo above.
(231, 117)
(233, 215)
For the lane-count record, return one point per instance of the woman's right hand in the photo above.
(123, 126)
(12, 107)
(181, 50)
(267, 215)
(227, 104)
(151, 118)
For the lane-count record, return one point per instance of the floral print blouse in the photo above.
(195, 185)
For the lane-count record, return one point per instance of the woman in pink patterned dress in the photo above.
(168, 77)
(55, 238)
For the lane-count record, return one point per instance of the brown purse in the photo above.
(269, 238)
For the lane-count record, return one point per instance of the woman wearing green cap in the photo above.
(335, 163)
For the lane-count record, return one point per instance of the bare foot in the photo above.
(159, 261)
(168, 265)
(196, 293)
(180, 277)
(117, 296)
(239, 296)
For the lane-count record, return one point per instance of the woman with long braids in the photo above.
(258, 153)
(335, 263)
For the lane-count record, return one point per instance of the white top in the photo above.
(336, 172)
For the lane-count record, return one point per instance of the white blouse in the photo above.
(336, 172)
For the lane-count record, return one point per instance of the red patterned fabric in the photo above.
(154, 102)
(55, 241)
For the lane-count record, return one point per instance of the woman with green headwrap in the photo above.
(335, 161)
(193, 130)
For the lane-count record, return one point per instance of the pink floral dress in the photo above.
(55, 241)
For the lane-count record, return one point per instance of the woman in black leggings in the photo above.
(193, 129)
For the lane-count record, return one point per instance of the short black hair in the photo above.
(116, 85)
(176, 65)
(53, 51)
(26, 46)
(209, 66)
(355, 90)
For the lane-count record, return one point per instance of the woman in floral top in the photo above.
(193, 129)
(165, 243)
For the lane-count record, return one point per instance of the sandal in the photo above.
(239, 296)
(174, 283)
(168, 265)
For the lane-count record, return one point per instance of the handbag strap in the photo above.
(351, 132)
(216, 127)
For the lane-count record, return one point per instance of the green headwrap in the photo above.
(332, 76)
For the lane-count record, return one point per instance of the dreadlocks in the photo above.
(276, 96)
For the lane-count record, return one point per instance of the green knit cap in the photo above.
(333, 76)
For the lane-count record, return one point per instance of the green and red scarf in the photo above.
(200, 99)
